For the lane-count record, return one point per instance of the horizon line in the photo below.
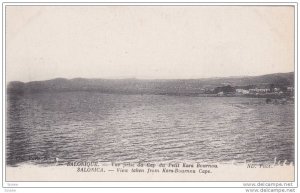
(139, 78)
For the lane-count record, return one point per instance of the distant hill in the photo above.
(141, 86)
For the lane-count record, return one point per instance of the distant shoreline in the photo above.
(160, 94)
(274, 86)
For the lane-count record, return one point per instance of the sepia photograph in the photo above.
(104, 93)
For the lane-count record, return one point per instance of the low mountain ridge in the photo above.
(147, 86)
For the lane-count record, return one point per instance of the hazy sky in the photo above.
(45, 42)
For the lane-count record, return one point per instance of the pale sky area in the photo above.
(164, 42)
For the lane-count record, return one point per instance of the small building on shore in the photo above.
(220, 94)
(242, 91)
(290, 89)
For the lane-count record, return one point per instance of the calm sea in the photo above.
(81, 126)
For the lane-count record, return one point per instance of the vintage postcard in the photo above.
(150, 93)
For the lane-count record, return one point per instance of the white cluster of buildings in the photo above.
(262, 90)
(259, 90)
(242, 91)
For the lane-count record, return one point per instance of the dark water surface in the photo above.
(80, 126)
